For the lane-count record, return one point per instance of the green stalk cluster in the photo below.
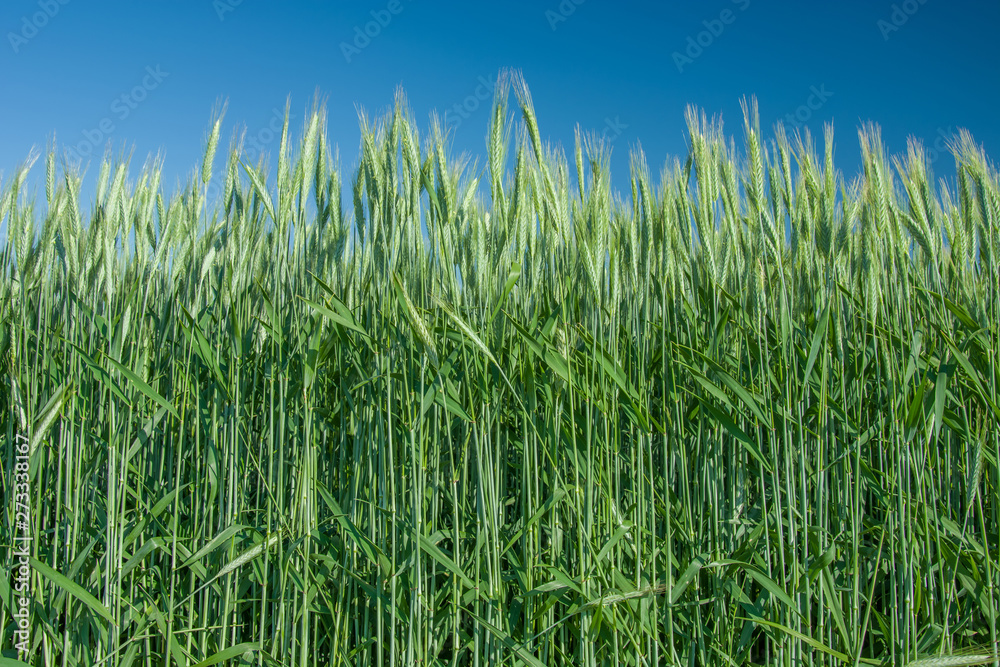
(745, 414)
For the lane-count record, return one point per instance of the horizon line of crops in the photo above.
(746, 413)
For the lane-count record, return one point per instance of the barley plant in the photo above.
(504, 412)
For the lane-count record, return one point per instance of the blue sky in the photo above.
(148, 74)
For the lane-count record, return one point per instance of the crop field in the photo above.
(496, 410)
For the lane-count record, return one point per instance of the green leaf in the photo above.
(962, 314)
(48, 414)
(821, 562)
(693, 568)
(368, 548)
(102, 376)
(548, 587)
(977, 379)
(843, 657)
(272, 326)
(765, 581)
(505, 639)
(443, 559)
(831, 596)
(564, 578)
(737, 389)
(941, 394)
(515, 273)
(615, 371)
(203, 349)
(447, 399)
(311, 360)
(709, 386)
(214, 544)
(73, 588)
(735, 431)
(621, 532)
(145, 434)
(466, 330)
(546, 507)
(819, 335)
(228, 654)
(336, 317)
(553, 359)
(143, 387)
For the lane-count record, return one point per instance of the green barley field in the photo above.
(497, 410)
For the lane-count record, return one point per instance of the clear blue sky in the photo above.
(148, 74)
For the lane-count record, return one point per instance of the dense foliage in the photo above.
(744, 415)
